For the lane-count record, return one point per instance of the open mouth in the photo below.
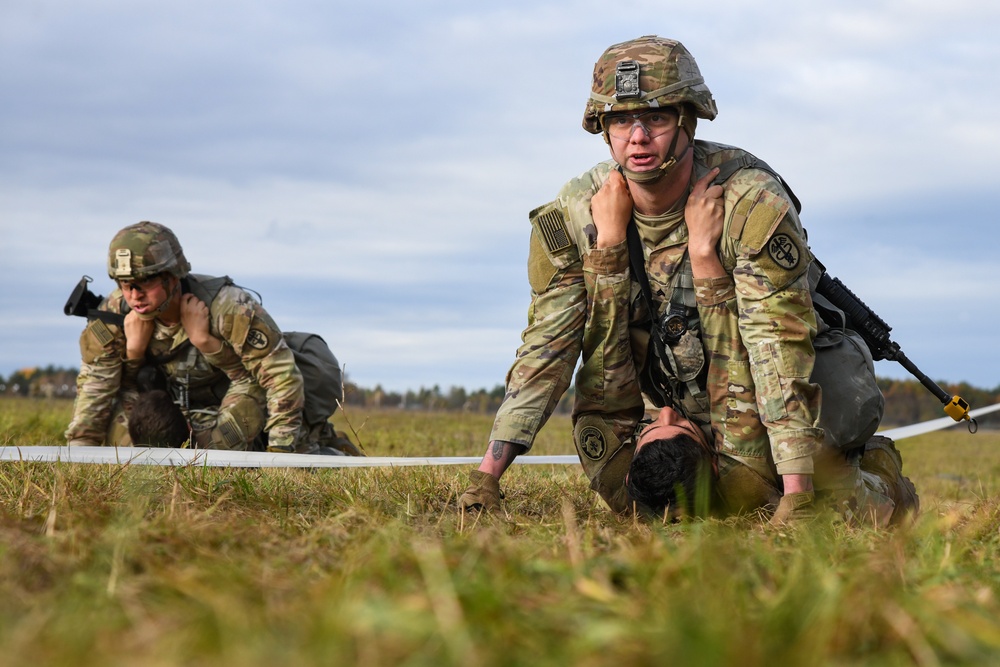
(642, 159)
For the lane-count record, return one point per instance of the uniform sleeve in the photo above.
(258, 355)
(102, 351)
(758, 331)
(607, 380)
(558, 314)
(550, 346)
(608, 397)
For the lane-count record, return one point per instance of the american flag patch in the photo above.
(552, 225)
(101, 332)
(230, 433)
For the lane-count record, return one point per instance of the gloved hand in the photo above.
(794, 508)
(483, 493)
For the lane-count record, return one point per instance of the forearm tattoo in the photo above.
(498, 447)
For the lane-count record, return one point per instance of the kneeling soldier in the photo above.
(208, 342)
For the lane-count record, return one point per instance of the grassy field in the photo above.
(106, 565)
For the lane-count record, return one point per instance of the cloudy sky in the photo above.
(368, 167)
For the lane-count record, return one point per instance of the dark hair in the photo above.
(667, 473)
(156, 421)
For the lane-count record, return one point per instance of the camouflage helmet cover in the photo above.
(145, 249)
(667, 76)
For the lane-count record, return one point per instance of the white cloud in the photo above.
(388, 150)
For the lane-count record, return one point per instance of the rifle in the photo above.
(875, 333)
(83, 303)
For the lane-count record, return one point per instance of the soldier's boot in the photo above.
(323, 439)
(343, 444)
(882, 458)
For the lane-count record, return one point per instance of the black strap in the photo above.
(659, 388)
(637, 263)
(106, 316)
(748, 161)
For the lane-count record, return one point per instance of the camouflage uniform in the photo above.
(771, 348)
(744, 363)
(251, 384)
(740, 367)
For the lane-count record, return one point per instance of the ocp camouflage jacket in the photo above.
(756, 328)
(254, 362)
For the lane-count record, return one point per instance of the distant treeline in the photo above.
(906, 401)
(48, 382)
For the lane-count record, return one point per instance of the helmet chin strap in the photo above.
(651, 176)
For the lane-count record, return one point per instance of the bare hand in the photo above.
(195, 320)
(611, 209)
(138, 332)
(704, 214)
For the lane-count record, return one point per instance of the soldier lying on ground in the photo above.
(156, 421)
(674, 467)
(208, 342)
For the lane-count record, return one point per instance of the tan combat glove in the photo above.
(794, 508)
(483, 493)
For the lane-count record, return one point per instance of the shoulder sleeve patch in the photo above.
(550, 222)
(101, 332)
(551, 236)
(541, 271)
(785, 256)
(96, 340)
(767, 211)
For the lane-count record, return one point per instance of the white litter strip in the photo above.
(934, 424)
(154, 456)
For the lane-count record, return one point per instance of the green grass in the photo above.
(107, 565)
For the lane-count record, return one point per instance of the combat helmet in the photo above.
(647, 73)
(143, 250)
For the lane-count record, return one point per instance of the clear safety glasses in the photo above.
(653, 123)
